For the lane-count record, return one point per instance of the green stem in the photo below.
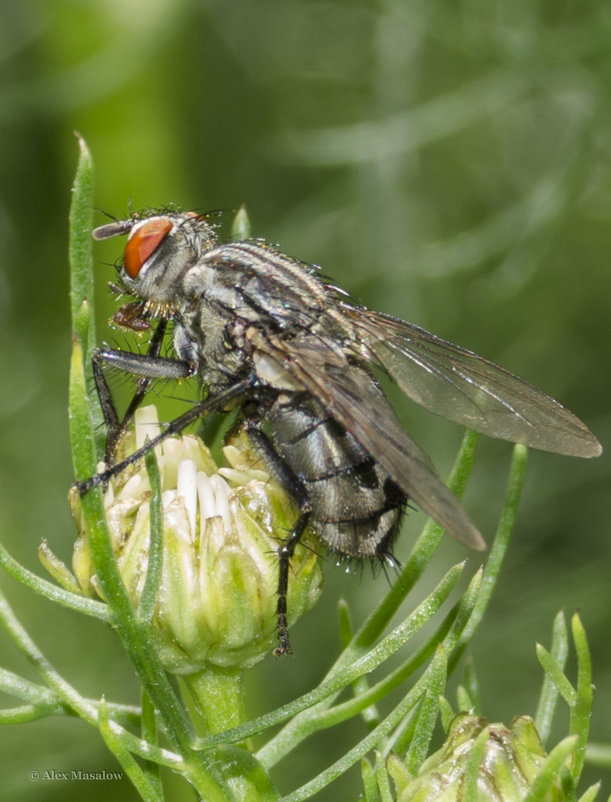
(84, 414)
(219, 694)
(494, 562)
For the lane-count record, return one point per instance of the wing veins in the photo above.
(432, 369)
(446, 379)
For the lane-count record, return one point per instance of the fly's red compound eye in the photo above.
(143, 242)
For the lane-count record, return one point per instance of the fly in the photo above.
(265, 333)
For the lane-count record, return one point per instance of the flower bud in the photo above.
(221, 530)
(510, 762)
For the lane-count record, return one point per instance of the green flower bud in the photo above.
(221, 530)
(511, 760)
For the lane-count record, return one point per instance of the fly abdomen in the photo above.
(356, 506)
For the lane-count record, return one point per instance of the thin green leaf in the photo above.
(579, 723)
(409, 702)
(27, 713)
(472, 767)
(472, 686)
(499, 547)
(383, 780)
(41, 698)
(58, 569)
(151, 752)
(426, 716)
(551, 769)
(81, 276)
(400, 775)
(135, 637)
(50, 591)
(62, 689)
(463, 697)
(249, 779)
(446, 635)
(590, 794)
(556, 675)
(398, 742)
(148, 791)
(25, 689)
(150, 591)
(363, 747)
(549, 693)
(80, 245)
(369, 714)
(370, 785)
(84, 457)
(300, 726)
(447, 713)
(345, 623)
(148, 731)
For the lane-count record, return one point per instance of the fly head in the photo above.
(159, 250)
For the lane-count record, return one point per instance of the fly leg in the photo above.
(115, 427)
(176, 426)
(288, 479)
(147, 367)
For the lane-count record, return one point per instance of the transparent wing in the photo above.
(468, 389)
(355, 401)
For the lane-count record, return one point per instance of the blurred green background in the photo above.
(447, 161)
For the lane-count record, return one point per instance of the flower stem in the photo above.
(219, 695)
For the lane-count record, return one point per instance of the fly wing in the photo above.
(349, 394)
(468, 389)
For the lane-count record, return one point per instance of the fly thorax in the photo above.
(209, 338)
